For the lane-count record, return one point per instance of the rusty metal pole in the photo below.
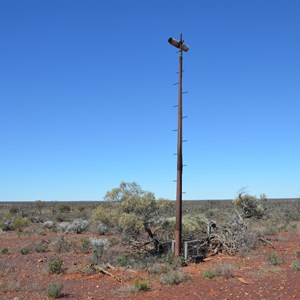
(178, 228)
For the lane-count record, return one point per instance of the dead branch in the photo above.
(102, 270)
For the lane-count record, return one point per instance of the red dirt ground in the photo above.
(26, 277)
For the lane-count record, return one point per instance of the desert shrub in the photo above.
(99, 246)
(192, 226)
(64, 208)
(295, 265)
(174, 262)
(113, 241)
(36, 219)
(89, 270)
(298, 254)
(78, 226)
(6, 225)
(123, 260)
(273, 259)
(225, 270)
(5, 251)
(4, 268)
(135, 260)
(101, 229)
(131, 226)
(80, 245)
(159, 268)
(270, 229)
(24, 251)
(55, 266)
(141, 284)
(13, 210)
(86, 244)
(174, 277)
(137, 215)
(41, 247)
(63, 226)
(140, 217)
(61, 217)
(81, 208)
(39, 204)
(249, 205)
(61, 245)
(42, 232)
(19, 224)
(124, 191)
(48, 224)
(107, 215)
(54, 290)
(209, 274)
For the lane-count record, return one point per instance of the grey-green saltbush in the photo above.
(99, 246)
(48, 224)
(77, 226)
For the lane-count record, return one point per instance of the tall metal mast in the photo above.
(178, 229)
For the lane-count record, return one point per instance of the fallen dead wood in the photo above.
(105, 272)
(265, 241)
(231, 238)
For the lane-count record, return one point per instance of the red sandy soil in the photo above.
(27, 277)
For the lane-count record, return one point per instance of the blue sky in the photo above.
(86, 96)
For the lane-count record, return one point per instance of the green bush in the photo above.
(19, 224)
(13, 210)
(140, 285)
(174, 262)
(192, 225)
(61, 217)
(55, 266)
(64, 208)
(273, 259)
(54, 290)
(85, 245)
(107, 215)
(24, 251)
(295, 265)
(249, 205)
(208, 274)
(123, 260)
(131, 226)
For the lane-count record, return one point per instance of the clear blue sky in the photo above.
(86, 93)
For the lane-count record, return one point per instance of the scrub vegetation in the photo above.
(128, 239)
